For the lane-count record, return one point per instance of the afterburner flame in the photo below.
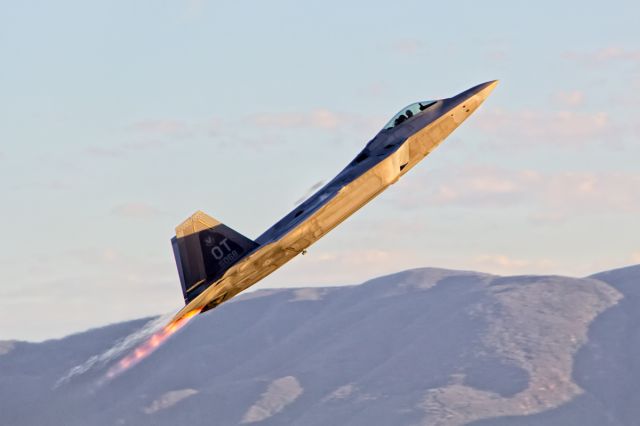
(150, 345)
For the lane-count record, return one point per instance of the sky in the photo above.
(120, 119)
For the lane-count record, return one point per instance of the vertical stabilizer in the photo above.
(204, 248)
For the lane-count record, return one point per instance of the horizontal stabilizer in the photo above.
(204, 248)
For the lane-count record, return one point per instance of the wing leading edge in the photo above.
(212, 270)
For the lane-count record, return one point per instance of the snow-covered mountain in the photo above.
(420, 347)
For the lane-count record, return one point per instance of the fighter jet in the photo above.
(216, 262)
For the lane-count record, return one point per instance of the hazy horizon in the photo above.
(118, 120)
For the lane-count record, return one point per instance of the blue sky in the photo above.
(119, 119)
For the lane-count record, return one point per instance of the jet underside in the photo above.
(238, 262)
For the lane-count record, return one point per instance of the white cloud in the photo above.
(170, 128)
(112, 279)
(136, 210)
(333, 122)
(635, 257)
(551, 196)
(124, 149)
(498, 54)
(408, 46)
(505, 264)
(351, 265)
(581, 192)
(252, 130)
(604, 55)
(374, 89)
(99, 151)
(319, 119)
(151, 134)
(572, 98)
(194, 9)
(537, 127)
(469, 186)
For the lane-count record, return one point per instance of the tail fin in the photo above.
(204, 249)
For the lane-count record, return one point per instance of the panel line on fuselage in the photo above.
(385, 143)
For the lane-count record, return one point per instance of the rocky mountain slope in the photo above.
(420, 347)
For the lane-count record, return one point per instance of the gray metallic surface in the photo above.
(402, 143)
(385, 143)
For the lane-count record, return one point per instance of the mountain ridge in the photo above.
(426, 346)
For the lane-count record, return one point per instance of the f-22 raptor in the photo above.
(216, 262)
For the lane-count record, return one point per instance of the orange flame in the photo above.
(150, 345)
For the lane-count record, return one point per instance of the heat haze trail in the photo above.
(149, 346)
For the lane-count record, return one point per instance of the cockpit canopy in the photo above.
(408, 112)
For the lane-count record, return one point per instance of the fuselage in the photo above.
(388, 156)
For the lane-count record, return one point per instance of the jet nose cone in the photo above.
(479, 92)
(465, 103)
(485, 89)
